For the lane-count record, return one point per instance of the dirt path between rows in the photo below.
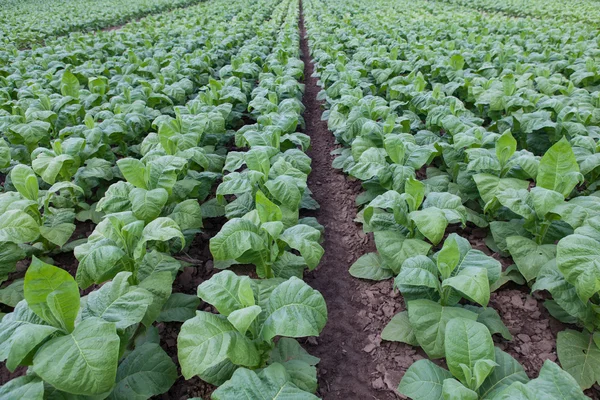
(347, 369)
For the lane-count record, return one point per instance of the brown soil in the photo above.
(347, 369)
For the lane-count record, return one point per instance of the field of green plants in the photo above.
(299, 199)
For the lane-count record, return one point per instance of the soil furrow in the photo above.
(346, 365)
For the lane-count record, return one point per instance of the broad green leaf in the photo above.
(418, 271)
(305, 239)
(472, 282)
(578, 258)
(400, 330)
(429, 320)
(18, 227)
(187, 215)
(467, 342)
(529, 256)
(148, 204)
(273, 382)
(207, 340)
(448, 258)
(507, 372)
(98, 262)
(431, 222)
(160, 230)
(28, 387)
(424, 381)
(134, 172)
(69, 85)
(235, 238)
(52, 294)
(288, 349)
(25, 181)
(227, 292)
(370, 266)
(147, 371)
(294, 309)
(92, 351)
(179, 307)
(490, 185)
(394, 248)
(579, 356)
(267, 210)
(116, 301)
(243, 318)
(553, 383)
(506, 145)
(159, 284)
(454, 390)
(13, 293)
(558, 169)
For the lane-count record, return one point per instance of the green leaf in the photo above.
(227, 292)
(454, 390)
(579, 356)
(558, 169)
(179, 307)
(490, 318)
(424, 381)
(431, 222)
(187, 215)
(507, 372)
(429, 320)
(148, 204)
(529, 256)
(18, 227)
(92, 351)
(448, 258)
(267, 210)
(273, 382)
(207, 340)
(147, 371)
(555, 384)
(400, 330)
(490, 185)
(305, 239)
(52, 294)
(578, 258)
(243, 318)
(28, 387)
(418, 271)
(467, 342)
(370, 266)
(294, 309)
(134, 171)
(160, 285)
(25, 181)
(506, 145)
(116, 301)
(13, 293)
(288, 349)
(235, 238)
(69, 85)
(473, 283)
(160, 230)
(394, 248)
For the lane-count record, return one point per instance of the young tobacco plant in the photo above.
(251, 314)
(477, 370)
(433, 288)
(34, 221)
(82, 346)
(261, 238)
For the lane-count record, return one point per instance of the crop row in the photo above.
(446, 127)
(30, 23)
(131, 136)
